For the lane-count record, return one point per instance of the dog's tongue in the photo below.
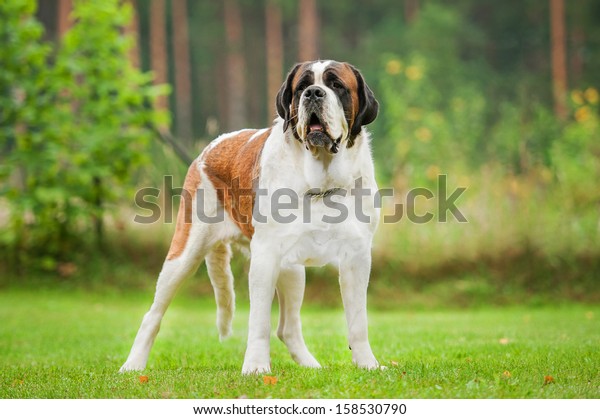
(316, 127)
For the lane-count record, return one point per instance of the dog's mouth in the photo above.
(315, 124)
(317, 134)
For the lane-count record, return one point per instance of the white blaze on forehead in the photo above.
(318, 68)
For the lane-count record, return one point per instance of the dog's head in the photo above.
(325, 104)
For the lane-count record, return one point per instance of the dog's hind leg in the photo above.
(221, 278)
(172, 275)
(290, 293)
(191, 242)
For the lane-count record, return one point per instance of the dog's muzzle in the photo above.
(316, 129)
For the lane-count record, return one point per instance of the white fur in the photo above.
(278, 247)
(279, 251)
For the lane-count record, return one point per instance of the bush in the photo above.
(75, 131)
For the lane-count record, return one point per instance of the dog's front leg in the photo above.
(264, 270)
(354, 280)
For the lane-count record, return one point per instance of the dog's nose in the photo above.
(314, 93)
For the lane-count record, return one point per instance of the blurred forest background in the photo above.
(99, 98)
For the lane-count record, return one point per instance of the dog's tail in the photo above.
(221, 278)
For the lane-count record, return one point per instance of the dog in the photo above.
(316, 150)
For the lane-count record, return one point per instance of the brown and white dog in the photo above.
(316, 150)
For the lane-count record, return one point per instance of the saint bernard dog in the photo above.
(302, 167)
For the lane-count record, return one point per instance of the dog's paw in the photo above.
(225, 334)
(254, 366)
(368, 365)
(256, 369)
(364, 359)
(131, 366)
(313, 363)
(306, 360)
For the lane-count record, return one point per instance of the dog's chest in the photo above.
(307, 209)
(319, 231)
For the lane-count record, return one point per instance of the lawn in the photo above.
(70, 344)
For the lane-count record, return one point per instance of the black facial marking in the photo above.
(307, 79)
(285, 96)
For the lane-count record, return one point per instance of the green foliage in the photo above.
(26, 112)
(437, 116)
(576, 156)
(76, 130)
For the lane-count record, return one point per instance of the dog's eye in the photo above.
(337, 85)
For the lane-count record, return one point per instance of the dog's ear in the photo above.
(368, 107)
(284, 97)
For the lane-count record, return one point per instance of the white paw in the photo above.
(224, 334)
(250, 369)
(306, 360)
(365, 360)
(131, 366)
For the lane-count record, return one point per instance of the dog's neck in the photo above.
(324, 171)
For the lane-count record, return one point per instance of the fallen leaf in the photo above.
(394, 364)
(548, 379)
(18, 383)
(267, 379)
(506, 374)
(143, 379)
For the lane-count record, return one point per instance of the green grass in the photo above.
(70, 344)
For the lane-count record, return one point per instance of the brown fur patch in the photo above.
(232, 166)
(184, 215)
(346, 74)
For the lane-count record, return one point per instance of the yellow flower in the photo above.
(423, 134)
(591, 95)
(414, 73)
(582, 114)
(464, 180)
(393, 67)
(432, 172)
(577, 97)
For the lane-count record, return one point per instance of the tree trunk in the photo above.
(133, 31)
(308, 31)
(236, 66)
(411, 10)
(158, 50)
(64, 10)
(183, 84)
(274, 46)
(577, 56)
(559, 70)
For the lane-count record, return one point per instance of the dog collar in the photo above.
(323, 194)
